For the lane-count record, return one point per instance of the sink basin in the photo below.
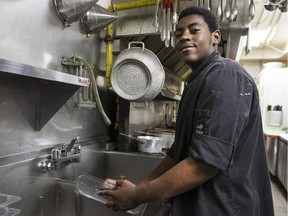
(52, 193)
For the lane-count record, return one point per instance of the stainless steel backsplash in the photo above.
(32, 33)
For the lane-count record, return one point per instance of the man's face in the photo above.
(193, 39)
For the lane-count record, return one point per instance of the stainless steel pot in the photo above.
(137, 74)
(168, 138)
(148, 144)
(167, 135)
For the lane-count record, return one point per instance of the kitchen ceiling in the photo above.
(269, 35)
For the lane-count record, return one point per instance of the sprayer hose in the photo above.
(95, 90)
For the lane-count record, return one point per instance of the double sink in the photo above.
(53, 193)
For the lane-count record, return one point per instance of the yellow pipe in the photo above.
(135, 4)
(109, 50)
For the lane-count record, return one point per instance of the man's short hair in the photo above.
(208, 15)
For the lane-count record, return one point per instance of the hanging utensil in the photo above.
(156, 22)
(248, 44)
(270, 6)
(219, 11)
(163, 24)
(168, 23)
(234, 11)
(283, 7)
(276, 1)
(174, 21)
(96, 19)
(208, 4)
(227, 11)
(204, 5)
(174, 16)
(70, 11)
(251, 10)
(160, 11)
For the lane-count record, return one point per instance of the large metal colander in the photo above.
(132, 79)
(137, 74)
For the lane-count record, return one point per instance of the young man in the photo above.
(217, 164)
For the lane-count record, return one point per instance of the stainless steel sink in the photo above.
(52, 193)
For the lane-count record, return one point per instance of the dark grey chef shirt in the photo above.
(219, 123)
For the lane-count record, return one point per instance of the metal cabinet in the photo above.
(271, 147)
(282, 162)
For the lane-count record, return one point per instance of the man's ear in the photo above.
(216, 37)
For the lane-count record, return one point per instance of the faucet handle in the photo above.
(45, 166)
(55, 154)
(72, 143)
(77, 148)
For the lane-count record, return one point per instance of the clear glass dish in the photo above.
(88, 186)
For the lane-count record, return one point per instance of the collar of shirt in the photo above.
(204, 64)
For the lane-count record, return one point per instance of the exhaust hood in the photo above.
(37, 92)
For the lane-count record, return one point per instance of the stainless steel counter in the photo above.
(282, 159)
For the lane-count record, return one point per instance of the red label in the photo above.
(84, 80)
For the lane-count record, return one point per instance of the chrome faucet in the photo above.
(61, 154)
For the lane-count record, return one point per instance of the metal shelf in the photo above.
(12, 67)
(39, 93)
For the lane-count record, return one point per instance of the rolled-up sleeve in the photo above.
(212, 151)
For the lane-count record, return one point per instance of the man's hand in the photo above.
(123, 198)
